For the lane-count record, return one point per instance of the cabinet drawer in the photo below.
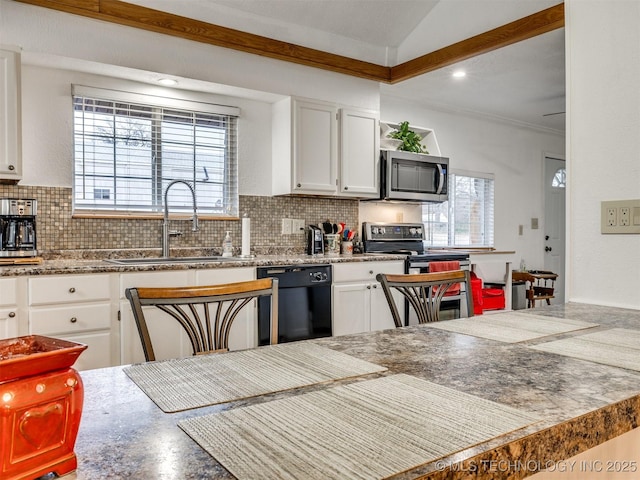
(69, 289)
(70, 319)
(98, 352)
(8, 289)
(363, 271)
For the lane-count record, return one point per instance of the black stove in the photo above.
(408, 238)
(405, 238)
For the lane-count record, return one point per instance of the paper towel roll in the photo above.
(246, 237)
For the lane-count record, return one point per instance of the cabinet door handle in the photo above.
(72, 290)
(73, 319)
(12, 314)
(298, 185)
(12, 168)
(370, 272)
(375, 286)
(368, 287)
(346, 188)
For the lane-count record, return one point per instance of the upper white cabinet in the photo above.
(324, 149)
(359, 153)
(10, 119)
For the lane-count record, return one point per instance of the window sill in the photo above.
(145, 216)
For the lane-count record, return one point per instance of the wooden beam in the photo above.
(123, 13)
(536, 24)
(131, 15)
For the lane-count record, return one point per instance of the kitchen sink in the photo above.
(166, 260)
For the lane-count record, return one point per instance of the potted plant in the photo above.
(411, 141)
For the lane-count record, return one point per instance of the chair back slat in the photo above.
(205, 313)
(425, 292)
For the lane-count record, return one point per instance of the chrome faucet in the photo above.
(166, 233)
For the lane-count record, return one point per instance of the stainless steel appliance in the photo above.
(304, 303)
(408, 238)
(315, 241)
(18, 227)
(414, 177)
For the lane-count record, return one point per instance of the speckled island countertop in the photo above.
(123, 434)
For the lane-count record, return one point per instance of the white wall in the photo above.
(44, 31)
(603, 140)
(514, 154)
(47, 130)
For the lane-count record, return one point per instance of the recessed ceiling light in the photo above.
(459, 74)
(169, 82)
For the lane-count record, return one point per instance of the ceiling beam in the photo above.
(123, 13)
(538, 23)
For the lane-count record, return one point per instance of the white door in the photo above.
(554, 221)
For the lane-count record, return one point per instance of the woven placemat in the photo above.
(365, 430)
(193, 382)
(617, 347)
(512, 327)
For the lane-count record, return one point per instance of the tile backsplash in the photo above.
(58, 231)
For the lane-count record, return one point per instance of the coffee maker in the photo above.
(18, 227)
(315, 241)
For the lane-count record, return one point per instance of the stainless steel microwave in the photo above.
(413, 176)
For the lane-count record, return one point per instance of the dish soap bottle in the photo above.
(227, 245)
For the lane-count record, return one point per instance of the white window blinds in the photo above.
(129, 147)
(467, 218)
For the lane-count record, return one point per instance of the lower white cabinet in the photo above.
(168, 338)
(9, 313)
(77, 308)
(359, 304)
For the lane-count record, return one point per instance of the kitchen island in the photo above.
(580, 404)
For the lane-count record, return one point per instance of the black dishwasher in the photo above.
(304, 303)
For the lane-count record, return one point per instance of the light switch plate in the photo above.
(534, 224)
(286, 226)
(620, 216)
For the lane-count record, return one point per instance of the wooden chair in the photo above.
(539, 285)
(425, 292)
(201, 311)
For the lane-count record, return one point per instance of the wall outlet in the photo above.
(619, 216)
(297, 226)
(624, 216)
(534, 224)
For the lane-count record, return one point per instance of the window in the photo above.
(467, 218)
(129, 147)
(559, 178)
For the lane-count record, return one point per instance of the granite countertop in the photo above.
(123, 434)
(70, 265)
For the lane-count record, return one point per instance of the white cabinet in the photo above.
(244, 331)
(9, 313)
(10, 116)
(324, 149)
(359, 304)
(168, 337)
(77, 308)
(359, 153)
